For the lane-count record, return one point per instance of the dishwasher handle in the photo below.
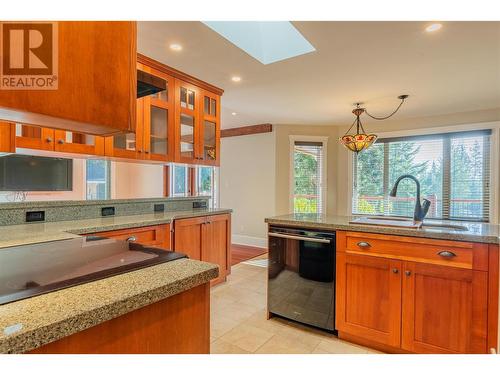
(300, 238)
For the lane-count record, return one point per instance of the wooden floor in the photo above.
(241, 253)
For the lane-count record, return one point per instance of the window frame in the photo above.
(324, 169)
(494, 126)
(109, 181)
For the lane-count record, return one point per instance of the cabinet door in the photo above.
(444, 309)
(209, 142)
(188, 235)
(159, 122)
(369, 298)
(7, 137)
(187, 123)
(154, 236)
(215, 247)
(67, 141)
(128, 145)
(34, 137)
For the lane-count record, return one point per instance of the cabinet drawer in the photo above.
(442, 252)
(156, 236)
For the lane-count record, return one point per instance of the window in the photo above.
(98, 179)
(180, 180)
(453, 170)
(206, 184)
(308, 170)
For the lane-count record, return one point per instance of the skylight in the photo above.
(266, 41)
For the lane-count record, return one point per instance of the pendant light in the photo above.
(362, 140)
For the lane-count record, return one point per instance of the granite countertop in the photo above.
(36, 321)
(476, 232)
(14, 235)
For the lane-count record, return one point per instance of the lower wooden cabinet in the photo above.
(387, 300)
(206, 238)
(369, 298)
(153, 236)
(444, 309)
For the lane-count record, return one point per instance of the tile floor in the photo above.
(239, 324)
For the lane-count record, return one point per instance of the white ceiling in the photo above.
(456, 69)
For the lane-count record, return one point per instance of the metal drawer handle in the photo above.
(300, 238)
(364, 244)
(131, 239)
(395, 270)
(447, 254)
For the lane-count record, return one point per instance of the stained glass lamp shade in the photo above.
(361, 140)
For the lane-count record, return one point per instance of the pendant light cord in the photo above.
(386, 117)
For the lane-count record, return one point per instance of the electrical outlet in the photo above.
(159, 207)
(107, 211)
(200, 204)
(35, 216)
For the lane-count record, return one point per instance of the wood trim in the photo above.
(493, 295)
(166, 181)
(246, 130)
(178, 74)
(192, 181)
(179, 324)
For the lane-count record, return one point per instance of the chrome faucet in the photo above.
(420, 209)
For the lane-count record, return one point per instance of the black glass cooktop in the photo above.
(30, 270)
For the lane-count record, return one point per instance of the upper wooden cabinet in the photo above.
(96, 79)
(187, 122)
(209, 142)
(154, 134)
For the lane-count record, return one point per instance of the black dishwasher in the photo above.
(301, 276)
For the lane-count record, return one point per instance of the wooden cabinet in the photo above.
(96, 80)
(154, 236)
(187, 123)
(154, 134)
(209, 137)
(444, 309)
(369, 298)
(206, 238)
(404, 294)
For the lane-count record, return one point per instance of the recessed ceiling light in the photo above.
(234, 113)
(433, 27)
(175, 47)
(236, 79)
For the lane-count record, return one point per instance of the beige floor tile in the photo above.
(220, 325)
(259, 319)
(336, 346)
(238, 311)
(247, 337)
(279, 344)
(223, 347)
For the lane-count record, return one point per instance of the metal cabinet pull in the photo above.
(48, 139)
(447, 254)
(407, 273)
(131, 239)
(364, 244)
(61, 142)
(299, 238)
(395, 270)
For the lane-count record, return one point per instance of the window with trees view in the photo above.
(309, 176)
(453, 170)
(98, 179)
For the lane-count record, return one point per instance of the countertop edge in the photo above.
(29, 340)
(386, 230)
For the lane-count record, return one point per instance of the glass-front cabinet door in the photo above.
(159, 122)
(34, 137)
(187, 113)
(128, 145)
(210, 129)
(79, 143)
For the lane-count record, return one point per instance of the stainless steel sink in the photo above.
(444, 226)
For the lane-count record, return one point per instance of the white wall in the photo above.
(248, 185)
(131, 180)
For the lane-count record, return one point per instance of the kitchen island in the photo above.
(163, 308)
(406, 290)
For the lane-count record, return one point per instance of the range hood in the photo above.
(148, 84)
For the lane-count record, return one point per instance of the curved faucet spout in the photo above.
(420, 209)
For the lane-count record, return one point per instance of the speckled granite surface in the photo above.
(13, 235)
(476, 232)
(33, 322)
(15, 213)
